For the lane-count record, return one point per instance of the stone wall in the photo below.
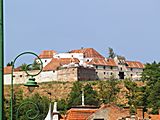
(86, 73)
(75, 74)
(67, 74)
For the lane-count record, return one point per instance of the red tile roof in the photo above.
(57, 62)
(7, 70)
(88, 53)
(103, 62)
(79, 113)
(114, 112)
(155, 117)
(47, 54)
(134, 64)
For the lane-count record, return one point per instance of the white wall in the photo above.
(45, 61)
(70, 55)
(21, 77)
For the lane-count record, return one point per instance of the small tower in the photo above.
(55, 113)
(83, 97)
(49, 115)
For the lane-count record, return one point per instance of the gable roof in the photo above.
(88, 53)
(7, 70)
(57, 62)
(155, 117)
(47, 54)
(103, 62)
(114, 112)
(79, 113)
(134, 64)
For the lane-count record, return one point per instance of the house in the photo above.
(108, 112)
(80, 64)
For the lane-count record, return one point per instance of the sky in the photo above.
(130, 27)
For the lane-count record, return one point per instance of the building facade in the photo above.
(81, 64)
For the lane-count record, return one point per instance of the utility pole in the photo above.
(1, 62)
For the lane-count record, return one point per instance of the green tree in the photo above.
(90, 95)
(151, 78)
(154, 98)
(23, 66)
(62, 106)
(108, 90)
(75, 96)
(111, 53)
(34, 105)
(9, 64)
(134, 94)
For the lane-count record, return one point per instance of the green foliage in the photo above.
(28, 105)
(151, 96)
(10, 64)
(23, 66)
(151, 73)
(62, 106)
(75, 96)
(111, 53)
(108, 90)
(36, 66)
(90, 95)
(37, 105)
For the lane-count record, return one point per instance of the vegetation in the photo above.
(75, 96)
(146, 94)
(111, 53)
(34, 106)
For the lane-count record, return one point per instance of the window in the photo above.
(111, 67)
(87, 60)
(131, 69)
(20, 75)
(111, 73)
(104, 73)
(121, 68)
(45, 60)
(96, 67)
(131, 75)
(104, 67)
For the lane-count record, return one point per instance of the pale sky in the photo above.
(130, 27)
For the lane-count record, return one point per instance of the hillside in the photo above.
(60, 90)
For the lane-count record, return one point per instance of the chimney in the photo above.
(56, 115)
(140, 114)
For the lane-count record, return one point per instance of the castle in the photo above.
(78, 65)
